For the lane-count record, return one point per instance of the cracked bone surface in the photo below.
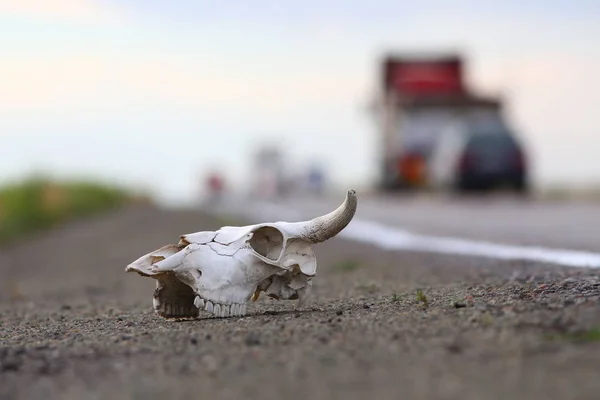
(219, 271)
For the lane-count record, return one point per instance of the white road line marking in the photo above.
(391, 238)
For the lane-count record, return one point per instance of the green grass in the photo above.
(421, 298)
(566, 193)
(227, 220)
(347, 265)
(38, 203)
(591, 335)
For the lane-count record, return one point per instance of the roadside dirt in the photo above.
(381, 325)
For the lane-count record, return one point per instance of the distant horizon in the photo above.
(153, 94)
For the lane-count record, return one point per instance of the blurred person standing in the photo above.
(215, 185)
(316, 180)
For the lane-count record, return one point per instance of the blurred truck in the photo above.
(420, 96)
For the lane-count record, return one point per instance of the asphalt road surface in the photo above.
(502, 219)
(381, 324)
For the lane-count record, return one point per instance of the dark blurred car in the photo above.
(479, 159)
(489, 161)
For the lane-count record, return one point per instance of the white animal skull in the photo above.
(220, 271)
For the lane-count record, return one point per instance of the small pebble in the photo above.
(252, 339)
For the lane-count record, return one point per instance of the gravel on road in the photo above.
(380, 325)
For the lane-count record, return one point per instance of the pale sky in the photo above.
(153, 92)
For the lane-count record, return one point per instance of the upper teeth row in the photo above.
(220, 310)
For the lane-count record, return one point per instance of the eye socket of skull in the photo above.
(268, 242)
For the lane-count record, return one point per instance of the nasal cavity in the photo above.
(268, 242)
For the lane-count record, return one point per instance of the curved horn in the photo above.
(327, 226)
